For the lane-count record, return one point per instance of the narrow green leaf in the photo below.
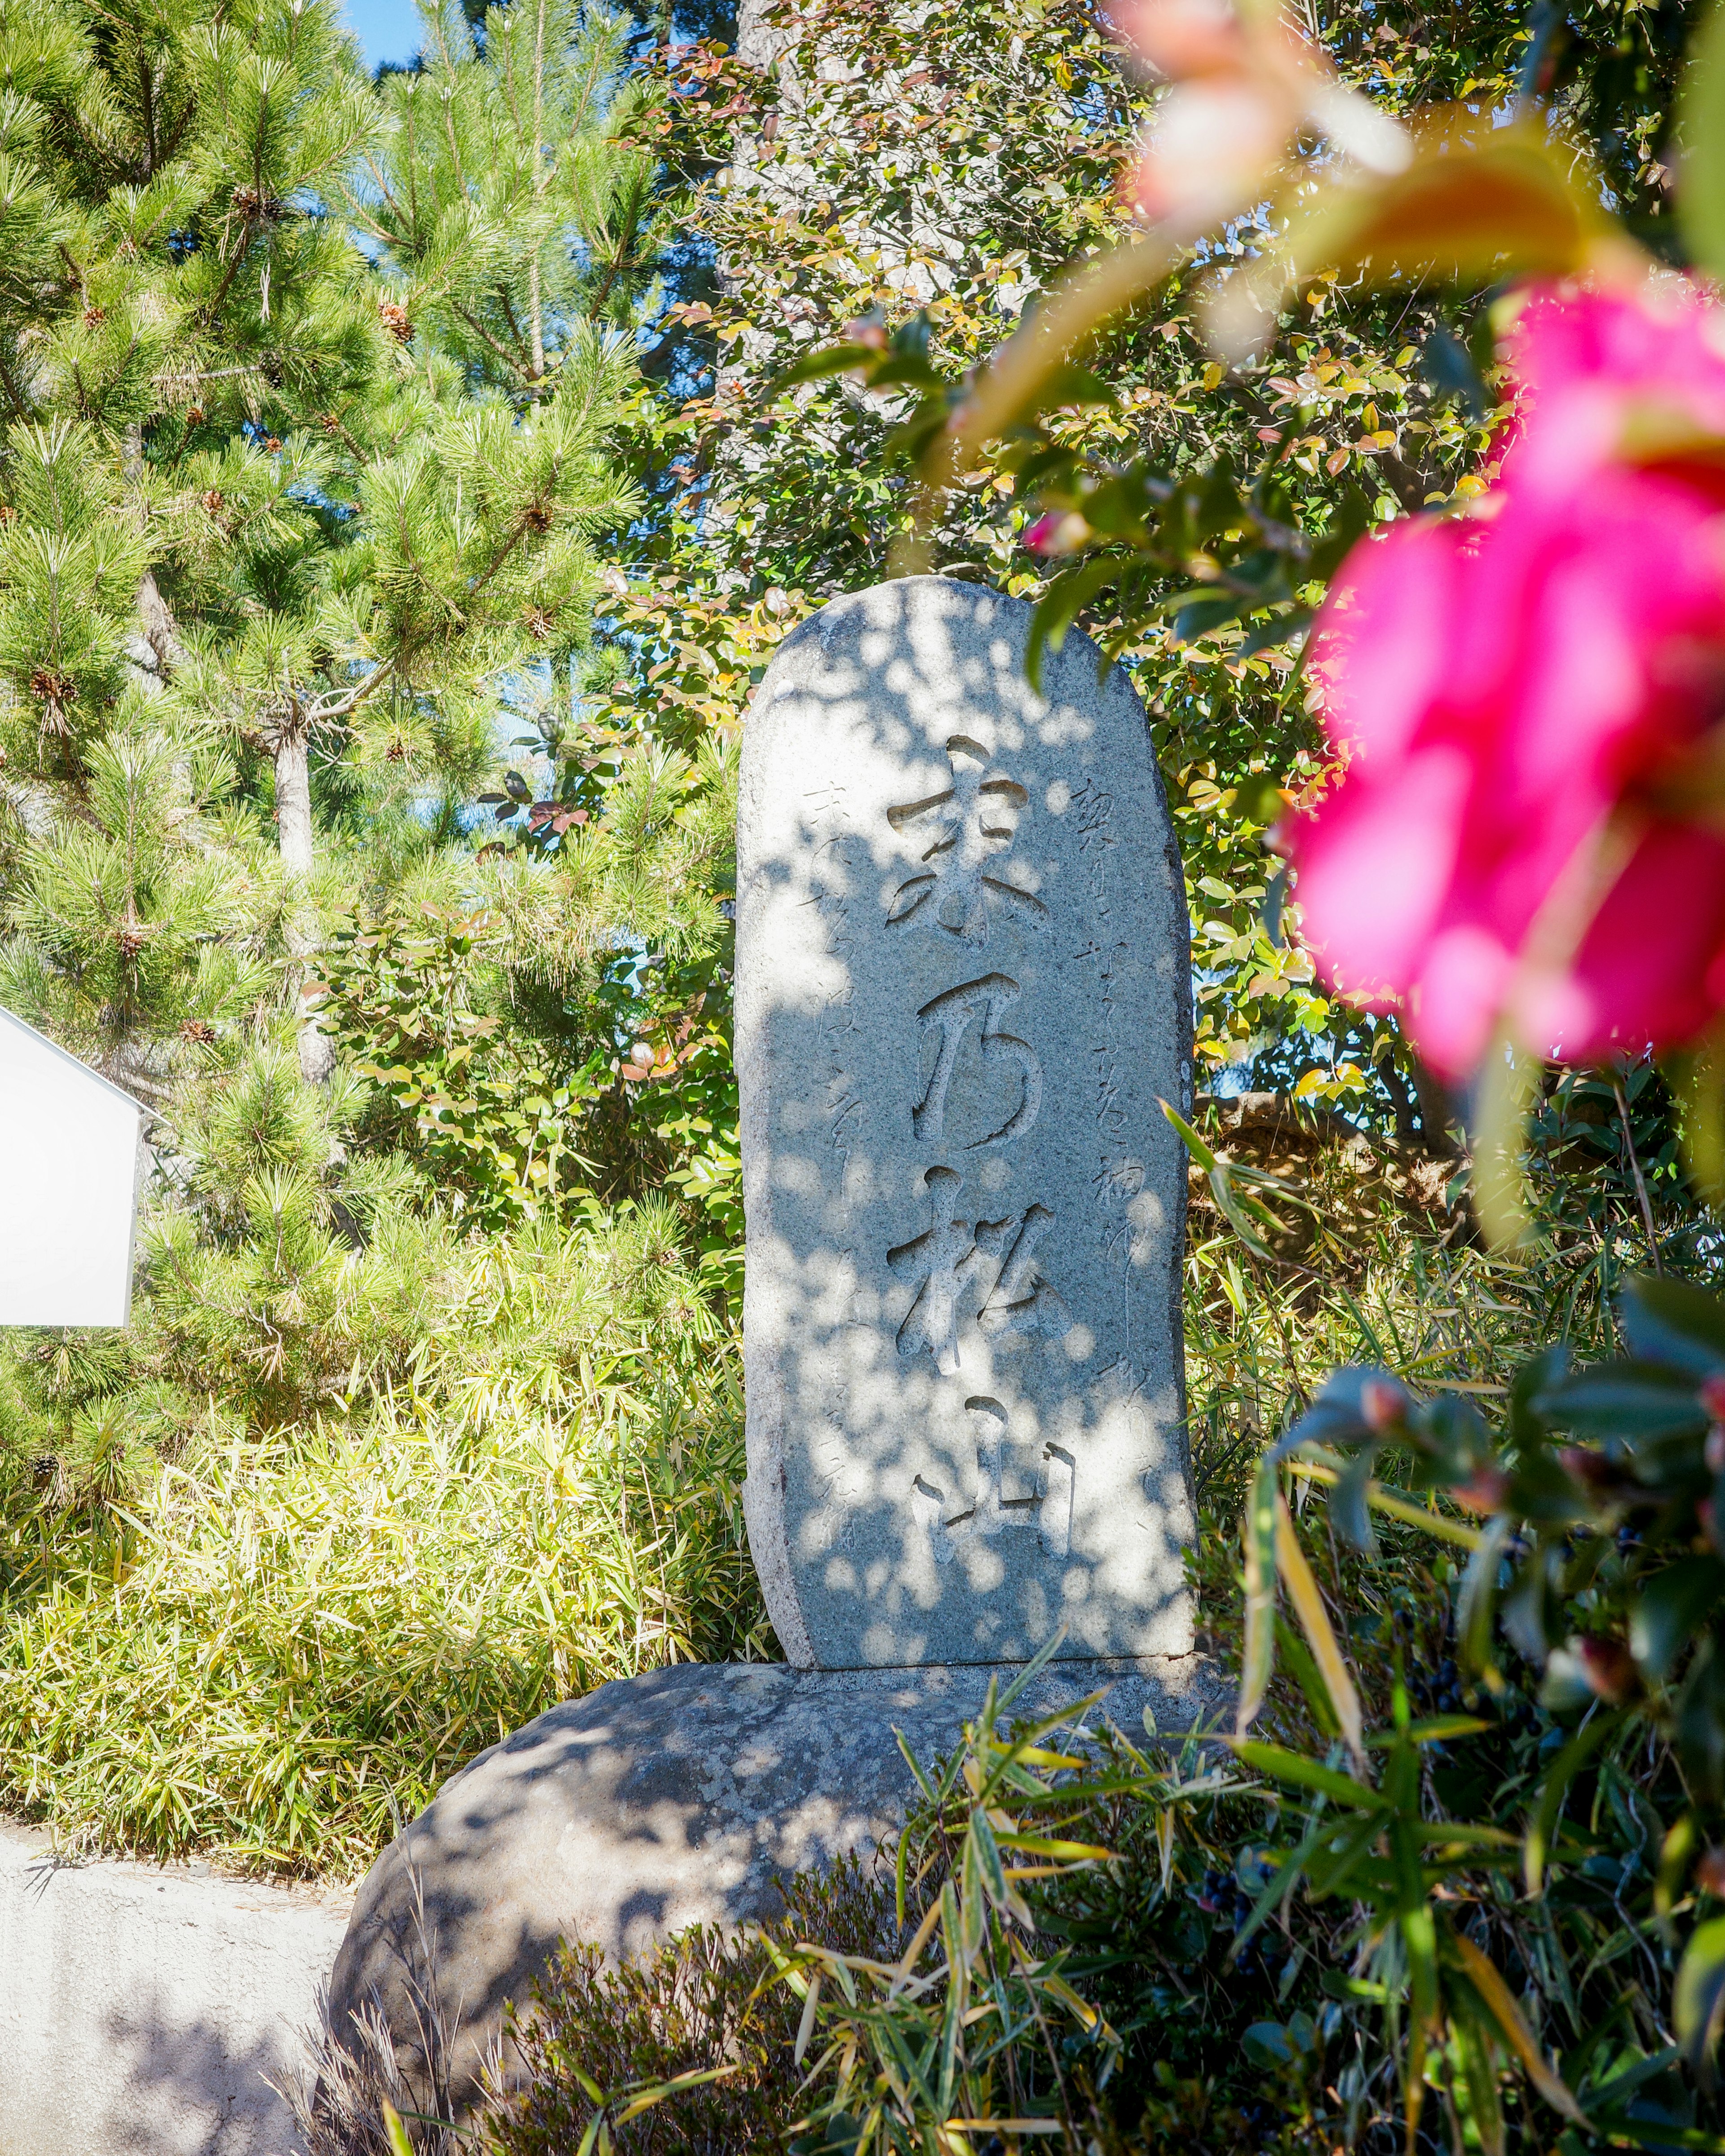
(834, 359)
(1698, 1997)
(1060, 605)
(1499, 2002)
(1258, 1652)
(1477, 1605)
(1194, 1144)
(1285, 1766)
(1320, 1637)
(1701, 127)
(1441, 1729)
(1568, 1762)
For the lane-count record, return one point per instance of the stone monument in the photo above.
(963, 978)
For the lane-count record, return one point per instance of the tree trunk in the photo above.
(154, 650)
(293, 825)
(1438, 1112)
(161, 633)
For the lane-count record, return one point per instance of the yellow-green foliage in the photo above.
(268, 1649)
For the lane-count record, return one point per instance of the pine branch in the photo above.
(515, 363)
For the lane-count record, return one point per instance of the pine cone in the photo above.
(395, 319)
(52, 688)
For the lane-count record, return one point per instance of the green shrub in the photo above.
(706, 2006)
(267, 1649)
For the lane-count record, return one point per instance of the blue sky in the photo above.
(388, 29)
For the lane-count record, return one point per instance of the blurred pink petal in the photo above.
(1184, 38)
(1502, 686)
(1455, 999)
(1244, 83)
(1652, 966)
(1210, 150)
(1375, 864)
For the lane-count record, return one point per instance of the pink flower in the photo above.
(1243, 82)
(1055, 531)
(1522, 695)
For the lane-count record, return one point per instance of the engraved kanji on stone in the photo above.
(1023, 1299)
(968, 826)
(944, 1261)
(1047, 1509)
(951, 1015)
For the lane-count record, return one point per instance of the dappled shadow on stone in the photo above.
(962, 992)
(148, 2008)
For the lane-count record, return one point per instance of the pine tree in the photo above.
(239, 471)
(143, 920)
(514, 218)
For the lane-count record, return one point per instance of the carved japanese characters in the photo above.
(962, 983)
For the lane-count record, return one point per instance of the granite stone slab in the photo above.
(664, 1800)
(962, 982)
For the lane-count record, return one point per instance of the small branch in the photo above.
(1635, 1161)
(327, 710)
(212, 305)
(510, 359)
(501, 555)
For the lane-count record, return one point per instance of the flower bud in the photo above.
(1711, 1393)
(1056, 532)
(1484, 1491)
(1383, 1403)
(1607, 1668)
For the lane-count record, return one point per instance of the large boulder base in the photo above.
(661, 1801)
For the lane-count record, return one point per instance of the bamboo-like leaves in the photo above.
(1314, 1619)
(1232, 1184)
(1500, 2004)
(1258, 1656)
(1562, 1771)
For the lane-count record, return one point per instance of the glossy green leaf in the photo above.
(1674, 1323)
(1670, 1609)
(1698, 1996)
(1626, 1400)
